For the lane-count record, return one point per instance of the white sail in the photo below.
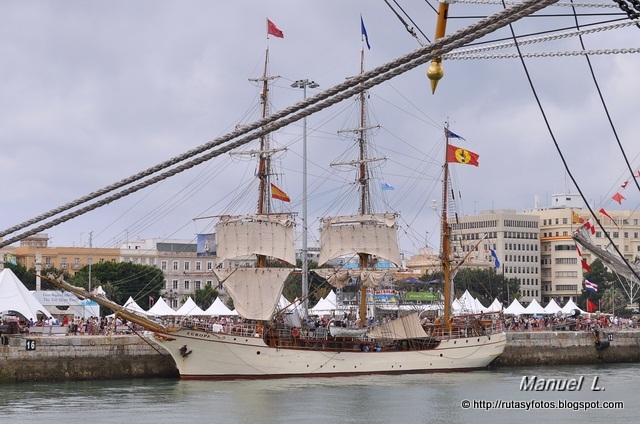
(374, 234)
(269, 235)
(255, 291)
(406, 327)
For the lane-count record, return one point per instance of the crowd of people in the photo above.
(555, 323)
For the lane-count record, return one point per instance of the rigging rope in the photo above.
(350, 87)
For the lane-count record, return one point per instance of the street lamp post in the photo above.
(305, 261)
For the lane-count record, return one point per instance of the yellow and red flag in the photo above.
(276, 193)
(460, 155)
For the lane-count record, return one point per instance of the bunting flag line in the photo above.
(578, 249)
(624, 184)
(603, 212)
(364, 33)
(451, 134)
(589, 226)
(590, 286)
(496, 262)
(386, 186)
(272, 29)
(276, 193)
(460, 155)
(585, 265)
(618, 198)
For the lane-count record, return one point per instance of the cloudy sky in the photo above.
(93, 92)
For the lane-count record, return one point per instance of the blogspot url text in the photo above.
(530, 405)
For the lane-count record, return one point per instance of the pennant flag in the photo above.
(386, 186)
(591, 307)
(590, 226)
(276, 193)
(451, 134)
(576, 218)
(272, 29)
(624, 184)
(585, 265)
(496, 262)
(590, 286)
(459, 155)
(618, 198)
(578, 249)
(364, 33)
(603, 212)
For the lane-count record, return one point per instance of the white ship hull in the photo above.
(205, 355)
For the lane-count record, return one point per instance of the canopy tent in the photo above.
(60, 302)
(552, 307)
(291, 311)
(323, 307)
(534, 308)
(218, 308)
(496, 306)
(15, 297)
(469, 304)
(131, 305)
(190, 308)
(514, 309)
(161, 309)
(570, 306)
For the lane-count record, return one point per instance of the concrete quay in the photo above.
(67, 358)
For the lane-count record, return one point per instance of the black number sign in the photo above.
(31, 344)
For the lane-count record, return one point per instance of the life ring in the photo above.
(295, 332)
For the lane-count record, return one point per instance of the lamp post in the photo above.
(305, 261)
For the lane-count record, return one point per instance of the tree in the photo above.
(205, 296)
(604, 279)
(486, 285)
(122, 280)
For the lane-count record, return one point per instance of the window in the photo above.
(63, 265)
(616, 234)
(197, 285)
(76, 263)
(187, 265)
(187, 285)
(209, 266)
(198, 266)
(174, 284)
(163, 265)
(565, 221)
(175, 265)
(566, 261)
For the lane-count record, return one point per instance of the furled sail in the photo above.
(612, 260)
(269, 235)
(255, 291)
(406, 327)
(374, 234)
(340, 278)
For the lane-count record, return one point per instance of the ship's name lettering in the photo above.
(201, 335)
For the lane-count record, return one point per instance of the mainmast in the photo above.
(446, 239)
(365, 204)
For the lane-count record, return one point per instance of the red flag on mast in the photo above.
(272, 29)
(591, 307)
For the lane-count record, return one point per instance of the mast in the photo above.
(364, 192)
(446, 239)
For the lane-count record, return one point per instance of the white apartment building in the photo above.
(515, 239)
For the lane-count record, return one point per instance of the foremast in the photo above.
(446, 240)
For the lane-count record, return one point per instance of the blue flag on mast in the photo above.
(451, 134)
(364, 32)
(495, 258)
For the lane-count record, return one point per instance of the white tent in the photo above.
(570, 306)
(323, 307)
(470, 304)
(161, 309)
(514, 309)
(534, 308)
(496, 306)
(331, 297)
(131, 305)
(218, 308)
(552, 307)
(15, 297)
(190, 308)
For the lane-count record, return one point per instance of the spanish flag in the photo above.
(460, 155)
(276, 193)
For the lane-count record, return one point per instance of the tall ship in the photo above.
(264, 344)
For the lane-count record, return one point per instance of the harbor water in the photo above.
(607, 392)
